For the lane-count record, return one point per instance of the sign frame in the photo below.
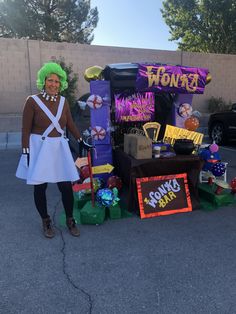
(141, 181)
(134, 107)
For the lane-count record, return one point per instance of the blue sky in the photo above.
(131, 23)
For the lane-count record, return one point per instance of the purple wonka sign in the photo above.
(134, 107)
(170, 78)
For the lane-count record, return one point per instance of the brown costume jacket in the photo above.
(35, 121)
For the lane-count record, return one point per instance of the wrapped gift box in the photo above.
(92, 215)
(114, 212)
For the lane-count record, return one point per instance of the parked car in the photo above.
(222, 126)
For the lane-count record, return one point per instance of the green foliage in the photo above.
(216, 104)
(50, 20)
(72, 79)
(202, 25)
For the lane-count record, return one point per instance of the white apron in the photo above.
(50, 157)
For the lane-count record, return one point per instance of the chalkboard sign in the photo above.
(163, 195)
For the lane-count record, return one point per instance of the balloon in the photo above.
(93, 73)
(114, 182)
(185, 110)
(105, 197)
(218, 169)
(208, 78)
(84, 172)
(191, 123)
(196, 114)
(213, 148)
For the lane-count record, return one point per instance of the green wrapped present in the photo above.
(79, 202)
(114, 212)
(90, 215)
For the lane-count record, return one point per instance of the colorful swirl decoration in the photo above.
(94, 101)
(185, 110)
(98, 133)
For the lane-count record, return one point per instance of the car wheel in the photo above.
(217, 133)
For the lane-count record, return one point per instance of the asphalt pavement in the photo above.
(182, 263)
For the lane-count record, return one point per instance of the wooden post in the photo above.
(91, 178)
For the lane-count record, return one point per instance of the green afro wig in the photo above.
(48, 69)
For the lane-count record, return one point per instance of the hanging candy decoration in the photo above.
(98, 133)
(105, 197)
(191, 123)
(93, 73)
(94, 101)
(114, 182)
(185, 110)
(218, 169)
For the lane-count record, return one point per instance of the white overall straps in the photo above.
(50, 157)
(54, 119)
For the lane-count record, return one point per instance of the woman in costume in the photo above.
(46, 156)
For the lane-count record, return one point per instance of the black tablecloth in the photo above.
(129, 168)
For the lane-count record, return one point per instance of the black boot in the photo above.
(71, 224)
(47, 228)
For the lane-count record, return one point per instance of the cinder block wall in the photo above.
(20, 60)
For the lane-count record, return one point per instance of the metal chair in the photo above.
(204, 175)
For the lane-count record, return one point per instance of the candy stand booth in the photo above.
(144, 128)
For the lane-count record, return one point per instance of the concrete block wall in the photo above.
(15, 80)
(21, 59)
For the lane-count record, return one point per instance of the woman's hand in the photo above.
(83, 146)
